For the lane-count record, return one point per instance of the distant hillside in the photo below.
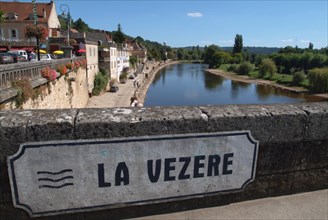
(256, 50)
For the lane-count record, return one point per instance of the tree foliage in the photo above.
(133, 60)
(220, 58)
(118, 35)
(298, 78)
(100, 82)
(318, 79)
(80, 25)
(2, 16)
(311, 46)
(290, 62)
(238, 46)
(267, 67)
(209, 55)
(245, 68)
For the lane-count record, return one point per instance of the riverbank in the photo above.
(150, 73)
(122, 97)
(247, 79)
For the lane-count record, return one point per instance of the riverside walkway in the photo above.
(127, 90)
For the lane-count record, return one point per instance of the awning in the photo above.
(29, 49)
(3, 48)
(16, 48)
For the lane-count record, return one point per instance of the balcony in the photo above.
(17, 42)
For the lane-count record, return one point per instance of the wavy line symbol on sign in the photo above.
(55, 180)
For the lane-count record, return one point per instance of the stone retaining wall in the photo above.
(70, 91)
(293, 145)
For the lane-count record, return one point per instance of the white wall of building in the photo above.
(92, 64)
(113, 64)
(53, 21)
(123, 59)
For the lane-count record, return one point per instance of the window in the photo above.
(13, 33)
(1, 35)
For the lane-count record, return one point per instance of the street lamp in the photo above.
(65, 8)
(35, 18)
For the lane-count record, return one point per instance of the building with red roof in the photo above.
(18, 15)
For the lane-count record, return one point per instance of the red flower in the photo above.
(39, 31)
(49, 73)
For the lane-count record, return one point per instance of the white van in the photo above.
(19, 52)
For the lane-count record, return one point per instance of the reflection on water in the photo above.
(190, 84)
(212, 81)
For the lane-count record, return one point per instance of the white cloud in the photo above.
(206, 42)
(195, 14)
(305, 41)
(287, 41)
(226, 41)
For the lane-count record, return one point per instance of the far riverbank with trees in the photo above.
(301, 70)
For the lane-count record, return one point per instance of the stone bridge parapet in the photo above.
(292, 157)
(31, 70)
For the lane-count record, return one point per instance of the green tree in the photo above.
(237, 58)
(318, 79)
(267, 66)
(238, 46)
(133, 60)
(318, 61)
(118, 36)
(311, 46)
(2, 16)
(306, 61)
(298, 78)
(63, 22)
(180, 54)
(171, 55)
(220, 58)
(80, 25)
(209, 53)
(100, 82)
(245, 68)
(288, 49)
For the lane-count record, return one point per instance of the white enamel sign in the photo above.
(49, 178)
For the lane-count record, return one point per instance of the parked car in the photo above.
(114, 88)
(132, 76)
(6, 58)
(18, 58)
(43, 57)
(19, 52)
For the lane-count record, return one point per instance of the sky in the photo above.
(267, 23)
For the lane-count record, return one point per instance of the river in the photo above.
(190, 84)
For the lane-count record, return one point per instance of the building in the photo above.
(138, 50)
(113, 62)
(81, 46)
(91, 48)
(20, 14)
(123, 58)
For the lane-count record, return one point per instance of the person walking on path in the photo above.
(135, 83)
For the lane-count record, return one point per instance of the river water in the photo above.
(190, 84)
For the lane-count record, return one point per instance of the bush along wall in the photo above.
(318, 80)
(100, 82)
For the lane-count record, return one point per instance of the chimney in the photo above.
(44, 13)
